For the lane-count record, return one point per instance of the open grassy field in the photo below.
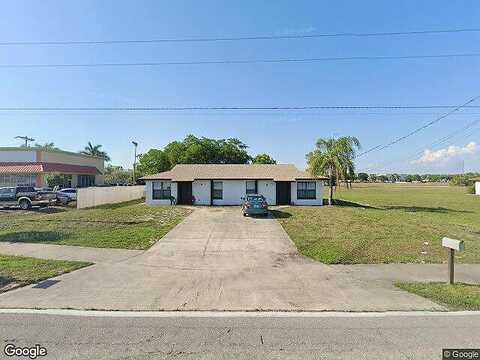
(131, 225)
(387, 223)
(455, 297)
(19, 270)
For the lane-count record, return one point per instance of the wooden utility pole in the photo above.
(25, 138)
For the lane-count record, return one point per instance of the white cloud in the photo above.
(443, 155)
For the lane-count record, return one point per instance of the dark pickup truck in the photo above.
(25, 197)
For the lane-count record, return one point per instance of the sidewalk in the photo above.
(218, 260)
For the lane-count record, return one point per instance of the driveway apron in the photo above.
(216, 259)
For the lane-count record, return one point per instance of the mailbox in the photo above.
(452, 245)
(458, 245)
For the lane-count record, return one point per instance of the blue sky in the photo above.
(286, 135)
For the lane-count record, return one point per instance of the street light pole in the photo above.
(135, 144)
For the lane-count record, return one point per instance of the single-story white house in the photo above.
(477, 186)
(227, 184)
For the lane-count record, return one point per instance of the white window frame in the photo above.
(304, 191)
(161, 190)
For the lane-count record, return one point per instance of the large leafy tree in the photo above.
(196, 150)
(263, 159)
(153, 161)
(95, 150)
(363, 177)
(333, 158)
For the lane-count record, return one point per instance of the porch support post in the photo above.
(211, 192)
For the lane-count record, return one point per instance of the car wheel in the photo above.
(25, 204)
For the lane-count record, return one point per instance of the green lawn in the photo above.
(455, 297)
(19, 270)
(387, 223)
(131, 225)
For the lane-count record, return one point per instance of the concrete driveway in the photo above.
(216, 259)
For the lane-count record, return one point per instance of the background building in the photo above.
(34, 166)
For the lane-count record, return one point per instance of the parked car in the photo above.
(68, 194)
(254, 205)
(25, 197)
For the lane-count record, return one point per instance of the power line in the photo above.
(417, 130)
(246, 108)
(420, 150)
(232, 62)
(235, 38)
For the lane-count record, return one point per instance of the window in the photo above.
(161, 190)
(86, 180)
(17, 179)
(7, 191)
(251, 187)
(306, 190)
(217, 190)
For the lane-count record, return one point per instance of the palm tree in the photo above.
(94, 150)
(333, 158)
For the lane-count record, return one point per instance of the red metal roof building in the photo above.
(34, 166)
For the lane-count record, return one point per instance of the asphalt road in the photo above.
(202, 336)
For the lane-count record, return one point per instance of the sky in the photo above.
(285, 135)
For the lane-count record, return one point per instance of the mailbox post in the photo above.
(452, 246)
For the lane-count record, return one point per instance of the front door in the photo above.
(184, 193)
(283, 192)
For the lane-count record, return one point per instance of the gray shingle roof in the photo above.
(278, 172)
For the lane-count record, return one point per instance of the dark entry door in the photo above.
(283, 193)
(184, 195)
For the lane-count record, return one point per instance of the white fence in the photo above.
(94, 196)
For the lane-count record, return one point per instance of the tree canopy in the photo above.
(195, 150)
(153, 161)
(263, 159)
(117, 175)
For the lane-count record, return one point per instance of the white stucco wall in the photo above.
(201, 192)
(268, 189)
(18, 156)
(317, 201)
(148, 194)
(477, 187)
(233, 191)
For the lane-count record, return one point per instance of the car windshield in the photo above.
(258, 198)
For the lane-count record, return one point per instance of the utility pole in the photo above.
(135, 144)
(25, 138)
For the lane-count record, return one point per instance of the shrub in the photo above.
(461, 180)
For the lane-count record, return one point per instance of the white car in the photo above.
(69, 193)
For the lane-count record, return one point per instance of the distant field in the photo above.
(387, 223)
(131, 225)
